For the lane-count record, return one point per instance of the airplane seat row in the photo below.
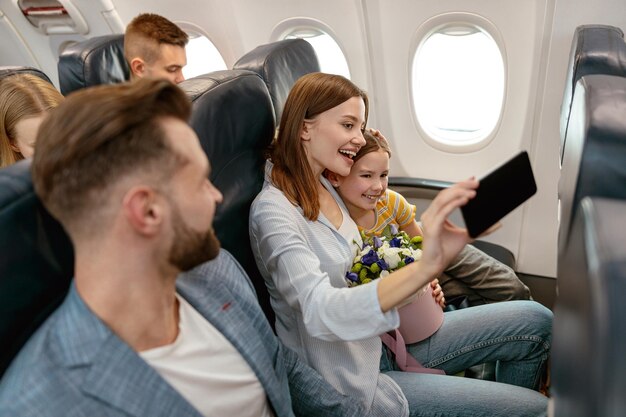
(95, 61)
(13, 70)
(589, 320)
(595, 49)
(233, 117)
(589, 329)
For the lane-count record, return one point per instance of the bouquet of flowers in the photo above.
(379, 256)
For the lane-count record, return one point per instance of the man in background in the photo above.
(155, 47)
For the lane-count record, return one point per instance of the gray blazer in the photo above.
(74, 365)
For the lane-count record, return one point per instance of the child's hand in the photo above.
(438, 293)
(377, 133)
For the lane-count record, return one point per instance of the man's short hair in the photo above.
(99, 136)
(146, 32)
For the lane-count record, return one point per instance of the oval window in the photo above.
(329, 54)
(202, 56)
(458, 85)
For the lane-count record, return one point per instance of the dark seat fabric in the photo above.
(95, 61)
(36, 264)
(280, 64)
(14, 70)
(594, 158)
(596, 49)
(589, 330)
(232, 115)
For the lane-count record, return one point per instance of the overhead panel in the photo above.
(53, 17)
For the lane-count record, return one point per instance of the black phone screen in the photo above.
(499, 193)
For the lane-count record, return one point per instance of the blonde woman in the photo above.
(24, 101)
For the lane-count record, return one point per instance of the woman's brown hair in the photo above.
(310, 96)
(22, 96)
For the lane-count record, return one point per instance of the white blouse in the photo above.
(332, 327)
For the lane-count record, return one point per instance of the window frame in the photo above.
(422, 34)
(288, 26)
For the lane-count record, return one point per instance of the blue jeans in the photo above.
(515, 334)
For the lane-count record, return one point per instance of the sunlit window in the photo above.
(202, 56)
(458, 85)
(329, 54)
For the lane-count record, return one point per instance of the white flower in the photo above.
(384, 273)
(391, 256)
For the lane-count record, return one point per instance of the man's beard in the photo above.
(191, 248)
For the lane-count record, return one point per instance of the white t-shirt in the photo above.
(207, 370)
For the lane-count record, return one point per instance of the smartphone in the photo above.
(499, 193)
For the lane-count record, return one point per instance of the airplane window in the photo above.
(329, 54)
(458, 85)
(202, 56)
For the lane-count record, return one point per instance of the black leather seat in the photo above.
(594, 157)
(36, 265)
(596, 49)
(95, 61)
(13, 70)
(280, 64)
(589, 330)
(232, 115)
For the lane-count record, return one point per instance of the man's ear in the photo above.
(138, 67)
(143, 210)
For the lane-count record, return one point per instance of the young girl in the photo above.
(301, 236)
(373, 206)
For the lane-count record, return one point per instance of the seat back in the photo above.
(589, 328)
(232, 115)
(596, 49)
(95, 61)
(280, 64)
(8, 71)
(594, 158)
(36, 264)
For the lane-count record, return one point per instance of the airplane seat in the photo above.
(596, 49)
(233, 117)
(589, 329)
(594, 156)
(14, 70)
(95, 61)
(280, 64)
(36, 263)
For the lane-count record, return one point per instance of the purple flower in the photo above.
(382, 264)
(351, 276)
(369, 258)
(408, 260)
(393, 228)
(377, 242)
(396, 242)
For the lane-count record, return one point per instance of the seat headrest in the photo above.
(596, 49)
(8, 71)
(589, 329)
(280, 64)
(99, 60)
(595, 147)
(36, 265)
(232, 116)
